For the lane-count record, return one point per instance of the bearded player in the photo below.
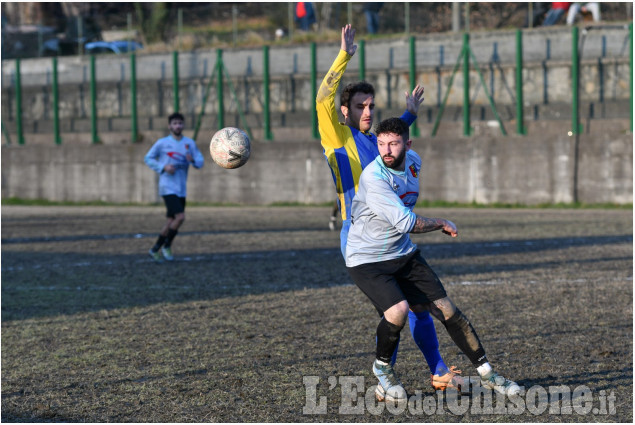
(349, 147)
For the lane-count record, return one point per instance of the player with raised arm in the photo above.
(390, 270)
(349, 147)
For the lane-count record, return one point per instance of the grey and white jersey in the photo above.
(381, 212)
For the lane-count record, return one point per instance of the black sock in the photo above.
(464, 336)
(160, 242)
(170, 237)
(387, 339)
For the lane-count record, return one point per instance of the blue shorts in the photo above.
(346, 224)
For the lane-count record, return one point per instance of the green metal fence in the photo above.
(465, 58)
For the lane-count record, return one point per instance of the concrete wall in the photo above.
(548, 167)
(544, 166)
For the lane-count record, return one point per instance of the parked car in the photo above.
(78, 31)
(117, 47)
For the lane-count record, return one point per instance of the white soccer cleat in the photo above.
(501, 385)
(389, 387)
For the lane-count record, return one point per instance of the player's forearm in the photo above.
(426, 224)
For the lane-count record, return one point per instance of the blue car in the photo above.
(117, 47)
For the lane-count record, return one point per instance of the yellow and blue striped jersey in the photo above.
(347, 150)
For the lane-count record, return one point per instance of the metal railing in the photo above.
(219, 72)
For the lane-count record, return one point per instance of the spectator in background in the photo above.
(555, 13)
(592, 8)
(304, 15)
(539, 10)
(371, 10)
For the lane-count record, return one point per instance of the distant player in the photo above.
(387, 267)
(349, 147)
(171, 157)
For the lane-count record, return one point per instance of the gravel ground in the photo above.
(257, 320)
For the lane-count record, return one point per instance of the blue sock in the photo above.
(425, 336)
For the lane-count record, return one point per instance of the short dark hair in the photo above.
(176, 116)
(394, 126)
(351, 89)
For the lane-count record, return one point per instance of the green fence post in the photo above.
(314, 122)
(93, 100)
(175, 78)
(219, 88)
(362, 60)
(267, 112)
(18, 102)
(575, 81)
(56, 106)
(520, 118)
(133, 96)
(413, 79)
(466, 84)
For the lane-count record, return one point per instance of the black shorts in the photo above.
(387, 283)
(174, 204)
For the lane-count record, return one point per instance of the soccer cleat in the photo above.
(501, 385)
(167, 253)
(332, 223)
(156, 257)
(452, 379)
(389, 387)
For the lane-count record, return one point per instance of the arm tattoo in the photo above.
(425, 224)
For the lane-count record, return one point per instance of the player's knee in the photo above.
(443, 308)
(398, 313)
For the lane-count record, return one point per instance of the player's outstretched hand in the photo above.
(414, 101)
(348, 38)
(449, 228)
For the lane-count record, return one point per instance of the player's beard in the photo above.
(396, 163)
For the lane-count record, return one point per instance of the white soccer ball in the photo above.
(230, 147)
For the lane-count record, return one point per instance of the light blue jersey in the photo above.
(381, 212)
(171, 151)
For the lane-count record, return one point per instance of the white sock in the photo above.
(379, 362)
(484, 369)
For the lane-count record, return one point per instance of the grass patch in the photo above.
(420, 204)
(502, 205)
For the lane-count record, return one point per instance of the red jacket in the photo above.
(564, 5)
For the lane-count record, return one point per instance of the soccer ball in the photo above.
(230, 147)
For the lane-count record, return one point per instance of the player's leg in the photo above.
(422, 326)
(456, 323)
(154, 251)
(346, 224)
(377, 283)
(388, 332)
(178, 209)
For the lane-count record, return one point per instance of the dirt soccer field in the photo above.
(257, 319)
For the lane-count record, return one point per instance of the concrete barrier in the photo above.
(546, 167)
